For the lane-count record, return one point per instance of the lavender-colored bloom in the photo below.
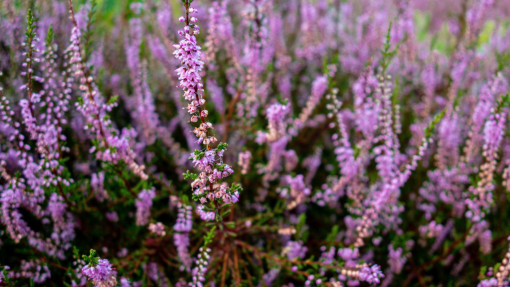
(102, 274)
(319, 87)
(181, 241)
(33, 269)
(205, 161)
(348, 254)
(143, 206)
(492, 282)
(481, 198)
(124, 282)
(404, 25)
(184, 219)
(189, 53)
(209, 163)
(475, 15)
(157, 228)
(386, 157)
(205, 215)
(198, 272)
(97, 183)
(270, 276)
(502, 273)
(276, 117)
(449, 132)
(244, 161)
(431, 230)
(295, 250)
(485, 239)
(367, 110)
(181, 238)
(143, 103)
(371, 274)
(112, 146)
(396, 259)
(112, 216)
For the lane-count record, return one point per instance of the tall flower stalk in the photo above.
(207, 186)
(110, 144)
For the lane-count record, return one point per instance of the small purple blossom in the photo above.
(371, 274)
(102, 274)
(143, 206)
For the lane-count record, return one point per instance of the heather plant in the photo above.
(254, 143)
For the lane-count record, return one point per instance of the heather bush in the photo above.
(254, 143)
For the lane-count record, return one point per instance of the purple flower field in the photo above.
(254, 143)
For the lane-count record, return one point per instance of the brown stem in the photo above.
(237, 276)
(224, 270)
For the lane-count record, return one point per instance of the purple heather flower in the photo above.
(143, 206)
(181, 241)
(270, 276)
(348, 254)
(205, 215)
(204, 162)
(112, 216)
(157, 228)
(97, 183)
(189, 53)
(124, 282)
(475, 15)
(184, 218)
(371, 274)
(492, 282)
(319, 87)
(142, 105)
(396, 259)
(198, 273)
(113, 146)
(276, 117)
(102, 274)
(295, 250)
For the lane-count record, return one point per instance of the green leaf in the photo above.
(221, 146)
(230, 224)
(503, 102)
(91, 259)
(331, 238)
(432, 125)
(209, 236)
(113, 100)
(49, 36)
(89, 29)
(301, 223)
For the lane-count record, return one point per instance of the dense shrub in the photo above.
(254, 143)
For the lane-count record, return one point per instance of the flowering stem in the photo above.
(30, 45)
(88, 81)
